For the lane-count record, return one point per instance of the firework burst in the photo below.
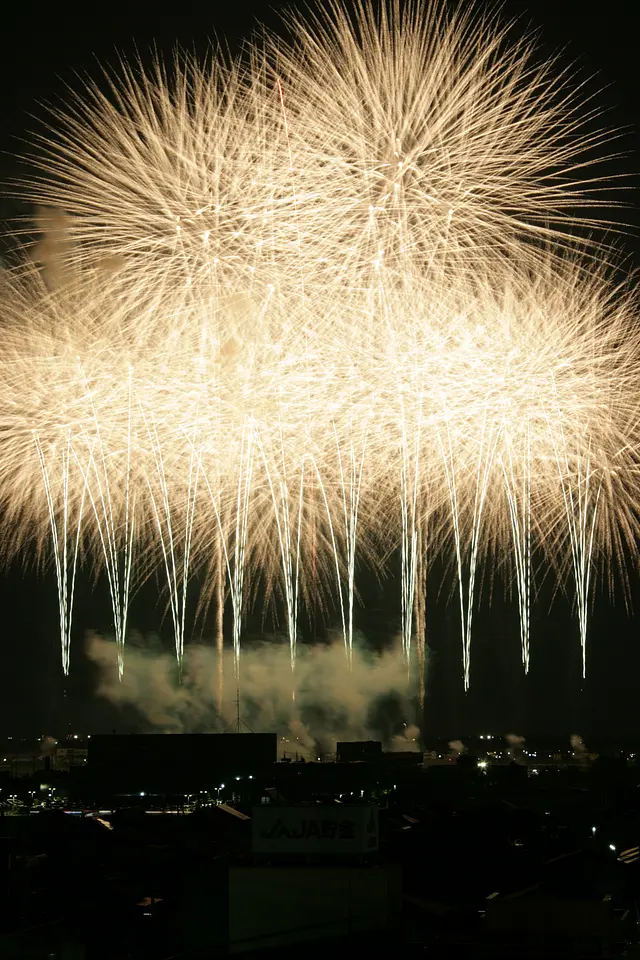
(313, 307)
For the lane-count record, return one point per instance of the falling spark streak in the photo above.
(519, 500)
(483, 474)
(65, 576)
(350, 494)
(421, 609)
(102, 505)
(335, 554)
(240, 542)
(220, 598)
(409, 550)
(450, 475)
(581, 519)
(486, 454)
(235, 569)
(177, 581)
(282, 512)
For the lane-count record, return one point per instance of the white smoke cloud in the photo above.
(333, 701)
(579, 749)
(407, 741)
(47, 747)
(514, 740)
(52, 250)
(515, 745)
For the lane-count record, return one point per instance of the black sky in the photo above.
(40, 50)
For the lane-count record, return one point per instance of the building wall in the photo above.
(273, 906)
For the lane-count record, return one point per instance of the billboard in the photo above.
(327, 830)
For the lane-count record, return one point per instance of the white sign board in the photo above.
(334, 830)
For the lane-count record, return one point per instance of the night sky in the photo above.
(43, 49)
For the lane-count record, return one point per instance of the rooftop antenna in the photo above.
(66, 707)
(236, 725)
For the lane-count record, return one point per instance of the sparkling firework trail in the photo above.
(517, 482)
(65, 554)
